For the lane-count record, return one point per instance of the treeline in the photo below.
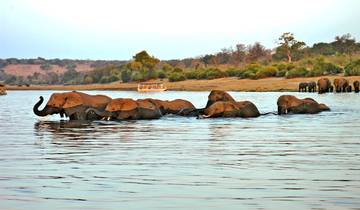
(59, 62)
(291, 58)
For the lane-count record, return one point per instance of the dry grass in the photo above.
(228, 84)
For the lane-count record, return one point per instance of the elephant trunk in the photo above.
(38, 112)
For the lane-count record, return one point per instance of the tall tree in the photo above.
(289, 45)
(147, 61)
(345, 44)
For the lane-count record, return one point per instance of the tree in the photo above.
(256, 51)
(289, 45)
(149, 62)
(345, 44)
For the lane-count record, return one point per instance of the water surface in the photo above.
(270, 162)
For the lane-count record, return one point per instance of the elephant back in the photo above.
(145, 104)
(121, 104)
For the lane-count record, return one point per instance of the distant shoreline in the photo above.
(273, 84)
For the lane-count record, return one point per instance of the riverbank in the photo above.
(228, 84)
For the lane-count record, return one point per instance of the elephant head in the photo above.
(218, 95)
(71, 104)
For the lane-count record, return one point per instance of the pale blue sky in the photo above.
(110, 29)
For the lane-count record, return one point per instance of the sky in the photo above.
(167, 29)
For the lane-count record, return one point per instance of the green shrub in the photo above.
(161, 74)
(232, 72)
(191, 74)
(297, 72)
(137, 76)
(324, 68)
(267, 71)
(174, 77)
(214, 73)
(105, 79)
(88, 79)
(126, 76)
(201, 74)
(177, 70)
(281, 73)
(250, 71)
(353, 68)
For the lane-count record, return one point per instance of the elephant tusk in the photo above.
(108, 118)
(286, 111)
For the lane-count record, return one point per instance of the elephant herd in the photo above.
(340, 85)
(81, 106)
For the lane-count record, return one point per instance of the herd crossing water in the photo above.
(269, 162)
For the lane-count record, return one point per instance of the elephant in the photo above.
(221, 104)
(289, 104)
(341, 85)
(2, 89)
(303, 86)
(128, 109)
(324, 85)
(218, 95)
(348, 89)
(73, 105)
(244, 109)
(356, 85)
(312, 86)
(177, 107)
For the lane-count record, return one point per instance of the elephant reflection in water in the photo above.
(76, 132)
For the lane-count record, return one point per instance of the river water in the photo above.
(270, 162)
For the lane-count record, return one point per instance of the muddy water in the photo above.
(271, 162)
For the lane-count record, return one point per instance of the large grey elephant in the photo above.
(73, 105)
(289, 104)
(324, 85)
(341, 85)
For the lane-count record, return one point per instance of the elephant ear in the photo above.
(72, 99)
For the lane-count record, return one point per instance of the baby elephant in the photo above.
(289, 104)
(244, 109)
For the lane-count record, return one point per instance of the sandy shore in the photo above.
(228, 84)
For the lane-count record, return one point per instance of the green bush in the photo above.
(250, 71)
(214, 73)
(297, 72)
(232, 72)
(105, 79)
(353, 68)
(281, 73)
(126, 76)
(324, 68)
(88, 79)
(161, 74)
(177, 70)
(192, 74)
(137, 76)
(267, 71)
(174, 77)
